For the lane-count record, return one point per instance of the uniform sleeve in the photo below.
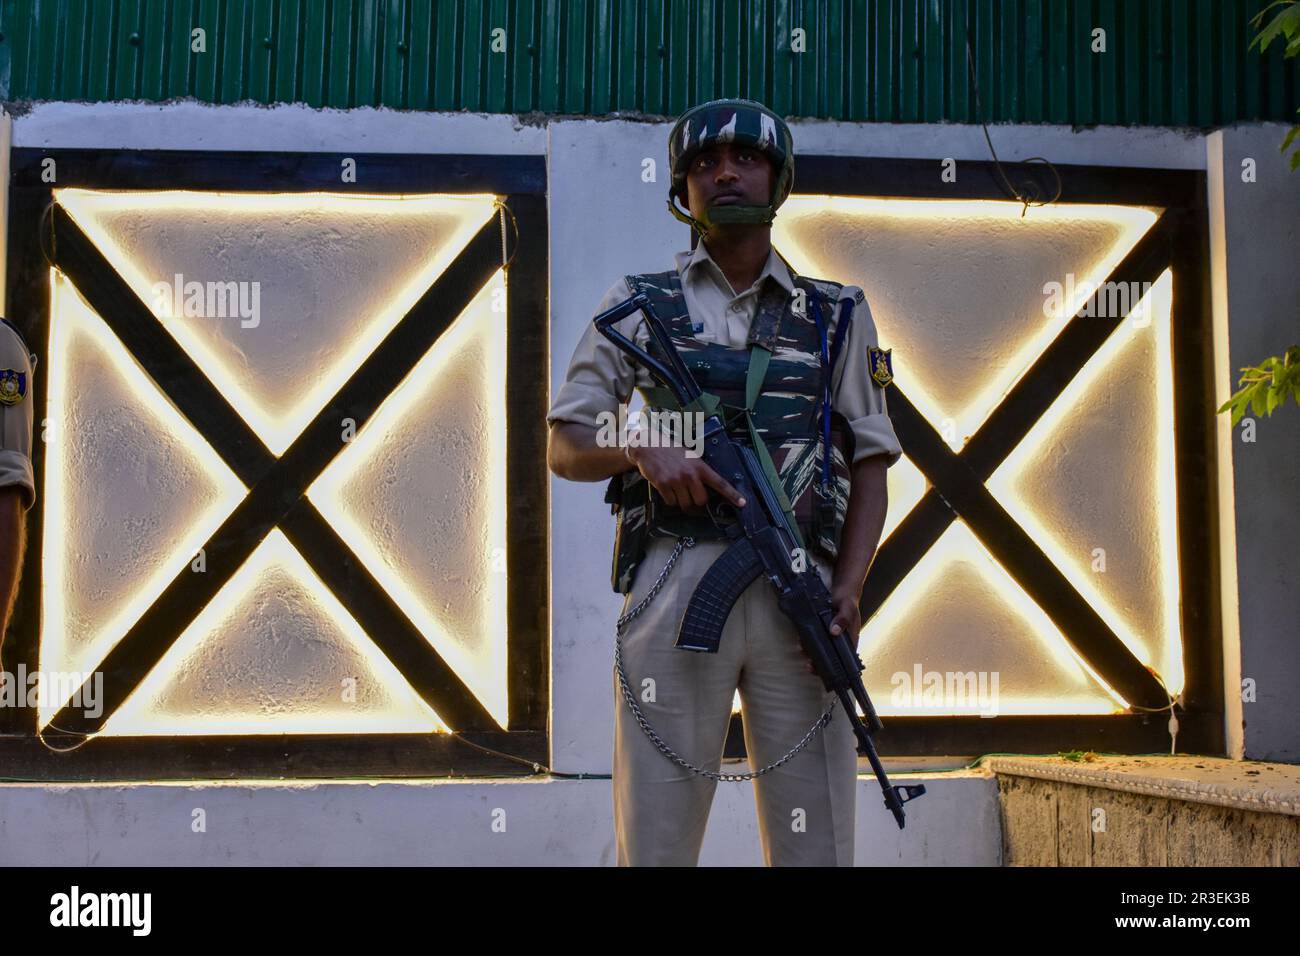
(600, 377)
(16, 416)
(855, 394)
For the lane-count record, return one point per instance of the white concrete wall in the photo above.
(546, 823)
(604, 222)
(1255, 259)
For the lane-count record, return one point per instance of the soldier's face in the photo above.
(726, 174)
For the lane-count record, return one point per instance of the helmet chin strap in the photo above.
(725, 214)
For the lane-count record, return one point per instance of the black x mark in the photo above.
(958, 486)
(277, 487)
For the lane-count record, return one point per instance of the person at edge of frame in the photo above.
(17, 484)
(738, 154)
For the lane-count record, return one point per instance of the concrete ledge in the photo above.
(1147, 811)
(1246, 785)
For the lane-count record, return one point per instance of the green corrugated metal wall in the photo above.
(1168, 62)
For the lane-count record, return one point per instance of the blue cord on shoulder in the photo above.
(827, 367)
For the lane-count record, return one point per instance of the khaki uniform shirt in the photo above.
(16, 418)
(600, 377)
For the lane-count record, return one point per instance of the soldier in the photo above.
(17, 486)
(792, 360)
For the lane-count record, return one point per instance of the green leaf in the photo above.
(1287, 22)
(1269, 33)
(1291, 20)
(1255, 20)
(1264, 387)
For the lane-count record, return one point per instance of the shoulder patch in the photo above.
(13, 386)
(882, 369)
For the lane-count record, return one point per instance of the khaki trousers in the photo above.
(805, 807)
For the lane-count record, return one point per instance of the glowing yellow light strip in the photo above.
(71, 316)
(1133, 222)
(484, 672)
(1002, 484)
(278, 431)
(138, 716)
(956, 544)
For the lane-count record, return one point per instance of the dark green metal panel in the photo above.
(627, 52)
(1165, 63)
(448, 21)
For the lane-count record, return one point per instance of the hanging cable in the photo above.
(1028, 194)
(505, 210)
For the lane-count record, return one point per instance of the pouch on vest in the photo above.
(626, 497)
(799, 461)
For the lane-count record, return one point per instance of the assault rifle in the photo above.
(762, 543)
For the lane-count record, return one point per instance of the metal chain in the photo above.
(655, 739)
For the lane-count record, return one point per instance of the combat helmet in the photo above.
(745, 123)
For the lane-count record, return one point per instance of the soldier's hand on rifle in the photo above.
(847, 618)
(683, 481)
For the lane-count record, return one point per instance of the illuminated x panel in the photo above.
(217, 330)
(419, 494)
(1094, 471)
(273, 653)
(131, 489)
(333, 275)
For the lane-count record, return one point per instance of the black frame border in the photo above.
(276, 486)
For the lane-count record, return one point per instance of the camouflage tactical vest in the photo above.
(787, 416)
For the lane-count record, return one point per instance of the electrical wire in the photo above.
(1028, 194)
(504, 211)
